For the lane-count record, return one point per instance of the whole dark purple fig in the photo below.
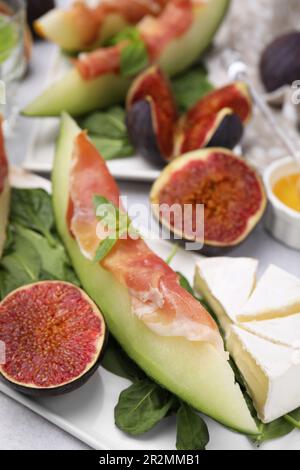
(280, 62)
(37, 8)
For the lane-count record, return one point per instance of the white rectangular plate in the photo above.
(88, 413)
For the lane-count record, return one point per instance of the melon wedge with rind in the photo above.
(77, 96)
(271, 372)
(194, 371)
(226, 284)
(277, 295)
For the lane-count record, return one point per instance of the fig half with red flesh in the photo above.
(152, 116)
(223, 129)
(53, 335)
(232, 194)
(235, 96)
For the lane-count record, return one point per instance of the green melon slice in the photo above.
(195, 372)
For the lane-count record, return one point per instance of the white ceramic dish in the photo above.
(281, 221)
(88, 413)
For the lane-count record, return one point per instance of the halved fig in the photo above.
(223, 129)
(235, 96)
(231, 191)
(54, 336)
(152, 116)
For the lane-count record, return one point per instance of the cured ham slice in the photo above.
(156, 295)
(157, 33)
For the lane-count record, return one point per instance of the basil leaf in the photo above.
(134, 58)
(117, 362)
(190, 87)
(192, 432)
(130, 33)
(105, 248)
(141, 407)
(32, 208)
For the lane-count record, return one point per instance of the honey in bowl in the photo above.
(287, 189)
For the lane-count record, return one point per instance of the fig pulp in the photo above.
(152, 116)
(234, 96)
(280, 63)
(232, 194)
(158, 134)
(53, 336)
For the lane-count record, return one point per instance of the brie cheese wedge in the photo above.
(226, 284)
(277, 295)
(284, 331)
(271, 372)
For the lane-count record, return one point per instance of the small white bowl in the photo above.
(281, 221)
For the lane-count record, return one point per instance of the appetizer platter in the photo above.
(120, 338)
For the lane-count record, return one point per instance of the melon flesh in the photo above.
(194, 371)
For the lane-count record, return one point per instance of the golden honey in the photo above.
(287, 189)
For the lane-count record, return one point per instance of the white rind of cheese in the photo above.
(277, 295)
(226, 284)
(271, 371)
(284, 331)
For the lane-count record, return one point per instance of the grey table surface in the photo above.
(20, 428)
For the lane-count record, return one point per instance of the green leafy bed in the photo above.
(33, 252)
(108, 128)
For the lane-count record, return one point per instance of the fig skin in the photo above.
(280, 64)
(140, 125)
(211, 247)
(223, 129)
(35, 9)
(229, 133)
(76, 383)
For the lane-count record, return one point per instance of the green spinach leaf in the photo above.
(117, 362)
(19, 268)
(108, 131)
(141, 407)
(192, 432)
(32, 208)
(113, 148)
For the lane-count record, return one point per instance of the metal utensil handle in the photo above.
(238, 71)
